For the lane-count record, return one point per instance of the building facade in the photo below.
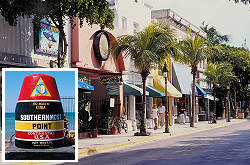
(180, 74)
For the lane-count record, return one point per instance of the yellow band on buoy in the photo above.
(33, 125)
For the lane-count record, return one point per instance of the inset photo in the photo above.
(40, 120)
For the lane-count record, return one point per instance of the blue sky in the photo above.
(65, 81)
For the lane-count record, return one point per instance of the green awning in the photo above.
(153, 92)
(130, 89)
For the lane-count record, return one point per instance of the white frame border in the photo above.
(76, 111)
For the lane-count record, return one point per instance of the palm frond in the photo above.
(147, 48)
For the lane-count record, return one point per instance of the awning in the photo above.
(159, 83)
(153, 92)
(182, 78)
(199, 91)
(85, 86)
(210, 97)
(130, 89)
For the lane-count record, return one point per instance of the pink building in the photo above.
(91, 54)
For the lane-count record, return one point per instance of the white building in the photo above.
(132, 16)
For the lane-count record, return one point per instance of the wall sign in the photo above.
(101, 45)
(110, 80)
(46, 39)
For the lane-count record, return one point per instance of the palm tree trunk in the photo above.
(214, 119)
(224, 108)
(60, 50)
(235, 104)
(143, 126)
(215, 103)
(193, 101)
(62, 44)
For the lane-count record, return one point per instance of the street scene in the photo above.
(152, 82)
(224, 145)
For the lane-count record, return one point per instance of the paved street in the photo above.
(227, 145)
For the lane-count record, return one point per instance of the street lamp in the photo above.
(165, 75)
(228, 111)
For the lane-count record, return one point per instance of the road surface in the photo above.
(222, 146)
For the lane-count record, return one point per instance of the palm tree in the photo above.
(217, 73)
(213, 35)
(193, 50)
(147, 49)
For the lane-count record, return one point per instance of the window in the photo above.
(116, 18)
(135, 27)
(124, 23)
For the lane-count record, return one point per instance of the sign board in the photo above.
(47, 39)
(110, 80)
(112, 102)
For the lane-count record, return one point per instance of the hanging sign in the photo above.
(47, 39)
(112, 102)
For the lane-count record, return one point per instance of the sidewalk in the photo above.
(106, 143)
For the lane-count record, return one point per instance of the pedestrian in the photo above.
(162, 111)
(155, 115)
(182, 116)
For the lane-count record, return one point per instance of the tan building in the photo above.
(180, 75)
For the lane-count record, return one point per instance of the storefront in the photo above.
(201, 100)
(172, 93)
(182, 80)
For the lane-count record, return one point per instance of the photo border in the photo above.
(3, 111)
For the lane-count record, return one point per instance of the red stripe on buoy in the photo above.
(39, 87)
(39, 135)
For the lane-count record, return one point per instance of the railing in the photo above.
(68, 104)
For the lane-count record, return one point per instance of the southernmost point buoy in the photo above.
(39, 114)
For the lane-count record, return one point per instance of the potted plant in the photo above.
(114, 128)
